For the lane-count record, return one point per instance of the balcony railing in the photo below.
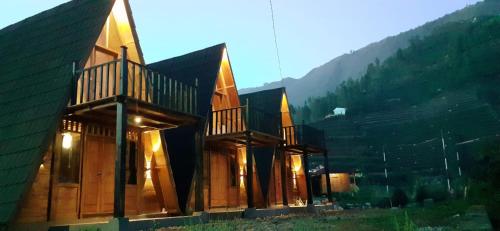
(103, 81)
(241, 119)
(303, 135)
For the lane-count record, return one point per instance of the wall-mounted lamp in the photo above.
(67, 140)
(138, 120)
(148, 169)
(243, 173)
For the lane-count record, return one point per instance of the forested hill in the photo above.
(458, 56)
(328, 77)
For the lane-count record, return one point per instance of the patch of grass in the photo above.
(364, 220)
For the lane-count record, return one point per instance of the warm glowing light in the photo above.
(138, 119)
(156, 146)
(148, 169)
(67, 141)
(297, 163)
(120, 12)
(334, 175)
(242, 177)
(225, 58)
(42, 166)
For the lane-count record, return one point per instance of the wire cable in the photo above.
(276, 42)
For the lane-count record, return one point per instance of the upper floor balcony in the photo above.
(304, 138)
(239, 124)
(153, 100)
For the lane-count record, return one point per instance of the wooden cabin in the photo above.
(231, 131)
(339, 182)
(284, 168)
(81, 119)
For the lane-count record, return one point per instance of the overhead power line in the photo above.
(276, 41)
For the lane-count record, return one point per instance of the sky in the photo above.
(309, 32)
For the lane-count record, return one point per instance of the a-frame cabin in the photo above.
(229, 134)
(283, 169)
(81, 119)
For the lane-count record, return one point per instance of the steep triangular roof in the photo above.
(271, 102)
(35, 74)
(267, 100)
(203, 65)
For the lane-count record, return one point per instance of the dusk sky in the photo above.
(310, 33)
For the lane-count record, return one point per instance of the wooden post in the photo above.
(308, 178)
(327, 174)
(249, 170)
(121, 140)
(199, 195)
(283, 175)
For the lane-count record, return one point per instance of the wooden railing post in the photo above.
(195, 96)
(284, 177)
(247, 116)
(121, 140)
(327, 174)
(308, 177)
(249, 157)
(199, 167)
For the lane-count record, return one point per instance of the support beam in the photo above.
(284, 177)
(121, 141)
(327, 174)
(199, 168)
(308, 178)
(249, 186)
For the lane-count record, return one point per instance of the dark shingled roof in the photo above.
(269, 101)
(35, 73)
(203, 65)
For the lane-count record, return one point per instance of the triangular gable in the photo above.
(36, 66)
(225, 93)
(286, 115)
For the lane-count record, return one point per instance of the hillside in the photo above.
(328, 76)
(458, 56)
(435, 102)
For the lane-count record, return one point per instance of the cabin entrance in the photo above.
(223, 178)
(98, 176)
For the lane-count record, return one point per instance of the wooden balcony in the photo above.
(159, 101)
(237, 125)
(303, 138)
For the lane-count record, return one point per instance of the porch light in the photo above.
(67, 141)
(148, 169)
(242, 176)
(297, 163)
(137, 119)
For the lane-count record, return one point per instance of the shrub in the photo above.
(399, 198)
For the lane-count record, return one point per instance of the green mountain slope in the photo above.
(458, 56)
(328, 76)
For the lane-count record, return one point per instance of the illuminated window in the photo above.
(69, 164)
